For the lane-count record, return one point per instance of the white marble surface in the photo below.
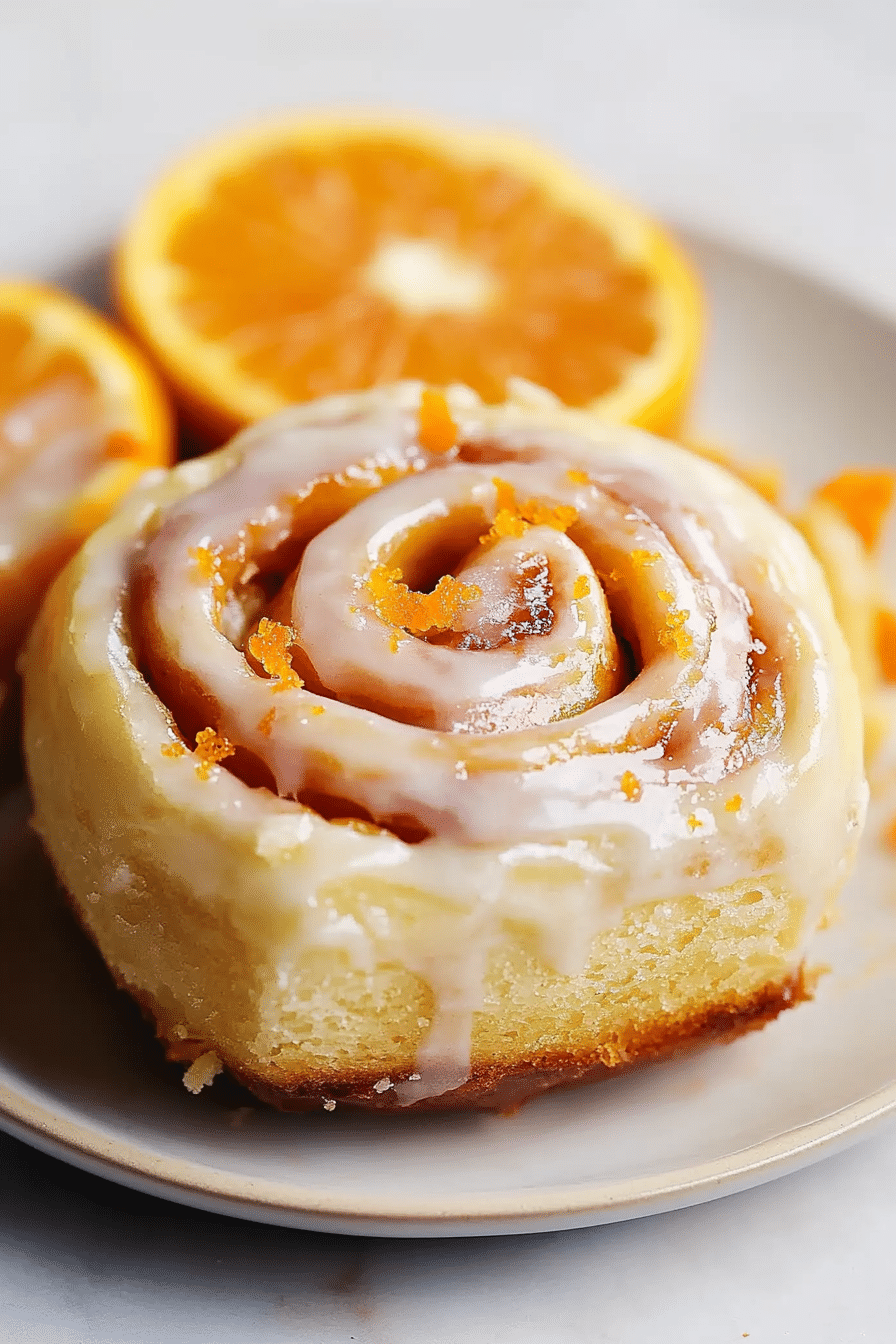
(772, 122)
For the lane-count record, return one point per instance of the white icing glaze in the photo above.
(730, 730)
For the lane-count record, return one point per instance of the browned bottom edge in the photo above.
(497, 1085)
(505, 1085)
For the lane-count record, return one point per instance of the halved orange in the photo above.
(323, 254)
(81, 417)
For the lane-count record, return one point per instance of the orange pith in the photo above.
(317, 257)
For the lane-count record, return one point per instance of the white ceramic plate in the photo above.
(795, 371)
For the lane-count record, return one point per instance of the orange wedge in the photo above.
(318, 255)
(81, 417)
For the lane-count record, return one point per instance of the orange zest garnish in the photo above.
(398, 605)
(885, 633)
(513, 519)
(266, 722)
(577, 477)
(437, 432)
(641, 557)
(211, 748)
(270, 646)
(694, 823)
(734, 803)
(316, 709)
(220, 570)
(890, 834)
(630, 785)
(582, 586)
(673, 635)
(207, 562)
(863, 497)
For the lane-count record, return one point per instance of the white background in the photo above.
(771, 122)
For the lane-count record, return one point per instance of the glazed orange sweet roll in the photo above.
(81, 417)
(420, 752)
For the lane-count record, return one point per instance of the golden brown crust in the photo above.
(506, 1085)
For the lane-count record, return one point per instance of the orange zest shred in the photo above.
(402, 607)
(577, 477)
(266, 722)
(734, 803)
(630, 785)
(211, 748)
(316, 709)
(885, 635)
(215, 567)
(437, 432)
(270, 646)
(694, 823)
(206, 561)
(640, 557)
(582, 586)
(864, 498)
(672, 635)
(513, 519)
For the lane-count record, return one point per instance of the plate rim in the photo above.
(523, 1209)
(528, 1209)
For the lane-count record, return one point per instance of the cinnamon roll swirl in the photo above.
(411, 751)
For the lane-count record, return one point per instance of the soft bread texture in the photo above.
(321, 962)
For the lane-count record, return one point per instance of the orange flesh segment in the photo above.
(864, 498)
(273, 262)
(398, 605)
(437, 432)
